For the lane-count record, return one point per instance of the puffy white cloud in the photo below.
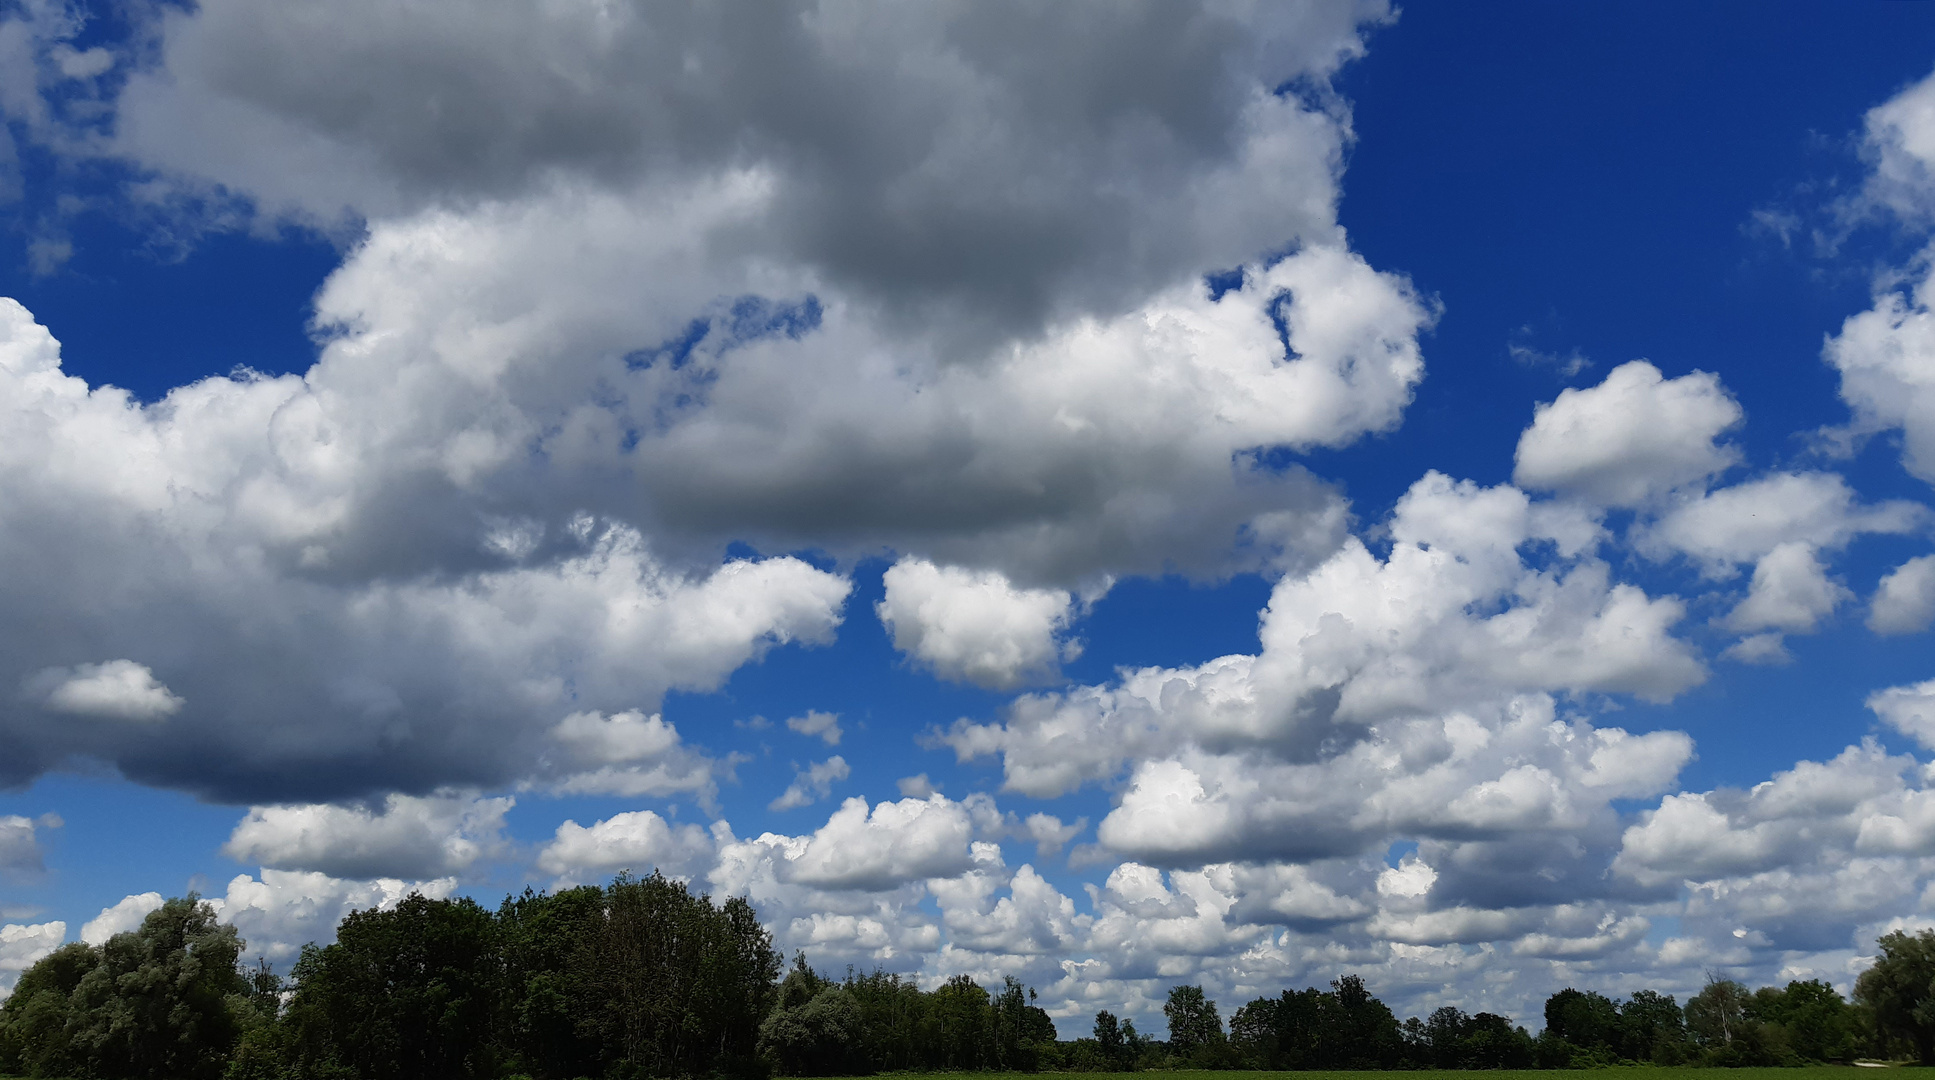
(1909, 710)
(1455, 617)
(823, 725)
(1886, 354)
(639, 841)
(812, 784)
(1746, 522)
(410, 837)
(119, 689)
(283, 910)
(628, 754)
(1900, 145)
(121, 917)
(1790, 592)
(975, 626)
(22, 944)
(1630, 439)
(1904, 602)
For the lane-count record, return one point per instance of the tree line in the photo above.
(645, 978)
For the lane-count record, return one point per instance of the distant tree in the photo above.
(1816, 1023)
(1108, 1037)
(1653, 1028)
(1354, 1030)
(963, 1023)
(543, 998)
(1900, 989)
(1194, 1026)
(1585, 1019)
(1718, 1013)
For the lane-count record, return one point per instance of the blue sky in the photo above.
(553, 446)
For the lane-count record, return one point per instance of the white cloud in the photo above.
(284, 910)
(812, 784)
(1790, 592)
(1904, 602)
(121, 917)
(118, 689)
(1453, 618)
(1746, 522)
(627, 754)
(1909, 710)
(639, 841)
(974, 626)
(1630, 439)
(815, 723)
(24, 944)
(889, 845)
(1900, 144)
(1763, 649)
(410, 837)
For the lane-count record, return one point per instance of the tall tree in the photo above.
(403, 993)
(1194, 1026)
(1900, 988)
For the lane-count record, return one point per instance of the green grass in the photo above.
(1633, 1072)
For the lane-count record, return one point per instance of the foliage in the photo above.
(163, 1000)
(1900, 988)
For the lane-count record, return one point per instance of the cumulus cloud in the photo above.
(22, 944)
(280, 911)
(1747, 522)
(1904, 602)
(823, 725)
(1453, 618)
(121, 917)
(999, 134)
(1790, 592)
(118, 689)
(812, 784)
(410, 837)
(639, 841)
(975, 626)
(1909, 710)
(1630, 439)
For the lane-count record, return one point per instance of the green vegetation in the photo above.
(644, 978)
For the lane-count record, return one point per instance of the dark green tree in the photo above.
(34, 1023)
(1195, 1029)
(403, 993)
(1108, 1037)
(1900, 989)
(1652, 1028)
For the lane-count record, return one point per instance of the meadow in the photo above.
(1618, 1072)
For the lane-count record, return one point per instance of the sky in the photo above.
(1113, 494)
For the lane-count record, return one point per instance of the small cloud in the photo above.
(1760, 649)
(916, 787)
(812, 784)
(118, 689)
(47, 254)
(753, 723)
(823, 724)
(1525, 355)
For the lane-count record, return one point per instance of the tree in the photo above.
(402, 993)
(1108, 1037)
(1584, 1019)
(1194, 1026)
(1654, 1029)
(1815, 1021)
(1718, 1013)
(1900, 988)
(157, 1001)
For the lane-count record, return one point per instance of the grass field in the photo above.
(1634, 1072)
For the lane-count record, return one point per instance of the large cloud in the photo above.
(410, 837)
(1064, 159)
(1454, 618)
